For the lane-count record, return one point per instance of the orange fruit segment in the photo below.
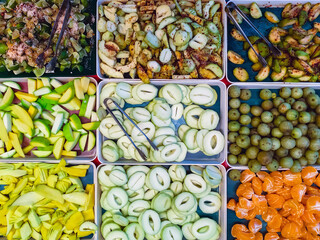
(255, 225)
(271, 236)
(309, 175)
(246, 176)
(275, 200)
(245, 203)
(262, 175)
(290, 178)
(257, 185)
(313, 204)
(268, 185)
(232, 204)
(245, 190)
(291, 230)
(298, 191)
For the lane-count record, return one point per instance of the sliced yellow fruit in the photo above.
(32, 111)
(16, 144)
(39, 83)
(22, 114)
(26, 96)
(69, 153)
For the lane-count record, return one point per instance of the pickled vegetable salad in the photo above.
(25, 29)
(163, 40)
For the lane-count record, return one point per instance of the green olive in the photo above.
(315, 144)
(292, 114)
(284, 107)
(288, 142)
(232, 159)
(245, 119)
(286, 127)
(285, 92)
(265, 157)
(304, 117)
(256, 111)
(243, 141)
(296, 153)
(300, 106)
(275, 132)
(244, 130)
(313, 100)
(265, 94)
(303, 161)
(235, 149)
(286, 162)
(275, 112)
(234, 175)
(233, 114)
(303, 128)
(267, 117)
(232, 136)
(265, 144)
(278, 120)
(254, 139)
(234, 91)
(277, 101)
(282, 152)
(244, 108)
(307, 91)
(296, 92)
(245, 94)
(290, 100)
(314, 133)
(312, 155)
(296, 133)
(243, 159)
(234, 126)
(296, 167)
(255, 121)
(263, 129)
(254, 166)
(234, 103)
(275, 144)
(252, 152)
(273, 166)
(303, 142)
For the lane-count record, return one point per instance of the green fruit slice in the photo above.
(42, 91)
(67, 96)
(41, 154)
(57, 147)
(84, 106)
(68, 146)
(67, 132)
(75, 121)
(39, 142)
(43, 127)
(57, 122)
(13, 85)
(7, 98)
(83, 142)
(91, 141)
(91, 125)
(64, 87)
(8, 154)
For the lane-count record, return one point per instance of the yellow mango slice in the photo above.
(74, 221)
(16, 144)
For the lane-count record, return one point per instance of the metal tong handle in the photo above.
(273, 48)
(125, 132)
(261, 59)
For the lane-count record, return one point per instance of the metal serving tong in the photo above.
(122, 128)
(65, 8)
(231, 5)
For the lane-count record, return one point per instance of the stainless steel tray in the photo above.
(255, 100)
(223, 54)
(222, 190)
(84, 156)
(198, 158)
(90, 178)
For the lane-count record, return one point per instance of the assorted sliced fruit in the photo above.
(300, 58)
(157, 120)
(42, 118)
(161, 41)
(46, 201)
(288, 202)
(159, 203)
(281, 127)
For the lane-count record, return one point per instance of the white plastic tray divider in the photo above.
(94, 178)
(263, 4)
(261, 86)
(223, 123)
(223, 54)
(222, 191)
(61, 79)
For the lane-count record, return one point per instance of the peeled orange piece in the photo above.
(275, 200)
(255, 225)
(245, 203)
(285, 192)
(257, 185)
(258, 236)
(241, 212)
(245, 190)
(238, 228)
(298, 191)
(290, 230)
(308, 217)
(290, 178)
(271, 236)
(262, 175)
(268, 185)
(269, 215)
(275, 222)
(313, 204)
(246, 176)
(309, 175)
(232, 204)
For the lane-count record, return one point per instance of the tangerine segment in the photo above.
(252, 214)
(314, 229)
(246, 176)
(245, 190)
(257, 185)
(313, 204)
(308, 217)
(298, 191)
(313, 191)
(245, 203)
(275, 222)
(290, 230)
(232, 204)
(317, 181)
(269, 215)
(271, 236)
(241, 212)
(309, 175)
(246, 236)
(285, 192)
(259, 236)
(262, 175)
(290, 178)
(238, 228)
(275, 200)
(297, 220)
(268, 185)
(255, 225)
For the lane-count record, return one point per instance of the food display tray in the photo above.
(255, 100)
(85, 156)
(90, 178)
(223, 54)
(264, 26)
(220, 217)
(88, 63)
(198, 158)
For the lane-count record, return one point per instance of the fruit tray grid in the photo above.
(255, 100)
(264, 26)
(84, 156)
(220, 217)
(197, 158)
(223, 54)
